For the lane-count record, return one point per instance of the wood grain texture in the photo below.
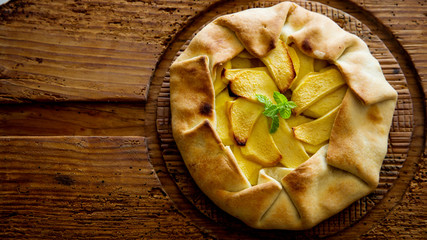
(84, 50)
(406, 220)
(84, 187)
(407, 20)
(84, 119)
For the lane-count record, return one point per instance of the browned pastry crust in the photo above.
(338, 174)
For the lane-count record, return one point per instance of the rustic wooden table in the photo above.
(80, 91)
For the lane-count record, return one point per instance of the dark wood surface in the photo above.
(84, 187)
(80, 155)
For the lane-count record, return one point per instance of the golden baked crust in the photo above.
(335, 176)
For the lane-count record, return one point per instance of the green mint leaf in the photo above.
(292, 104)
(274, 124)
(282, 108)
(264, 99)
(279, 98)
(271, 111)
(285, 113)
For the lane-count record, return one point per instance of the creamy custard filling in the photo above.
(316, 87)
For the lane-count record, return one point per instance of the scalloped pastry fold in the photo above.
(336, 175)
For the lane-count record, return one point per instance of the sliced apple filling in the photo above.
(315, 86)
(242, 116)
(279, 63)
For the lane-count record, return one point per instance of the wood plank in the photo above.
(407, 20)
(84, 119)
(84, 187)
(85, 50)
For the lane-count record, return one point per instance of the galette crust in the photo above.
(337, 175)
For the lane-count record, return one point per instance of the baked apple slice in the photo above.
(312, 149)
(304, 63)
(326, 104)
(248, 83)
(292, 150)
(238, 62)
(279, 63)
(218, 83)
(249, 168)
(314, 86)
(260, 146)
(229, 74)
(317, 131)
(222, 122)
(294, 121)
(242, 115)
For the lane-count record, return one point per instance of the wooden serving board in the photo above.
(399, 140)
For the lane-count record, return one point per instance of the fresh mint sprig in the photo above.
(282, 108)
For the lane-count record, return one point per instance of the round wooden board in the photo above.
(399, 139)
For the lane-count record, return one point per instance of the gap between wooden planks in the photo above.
(84, 50)
(83, 187)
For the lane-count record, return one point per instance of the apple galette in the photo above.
(281, 117)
